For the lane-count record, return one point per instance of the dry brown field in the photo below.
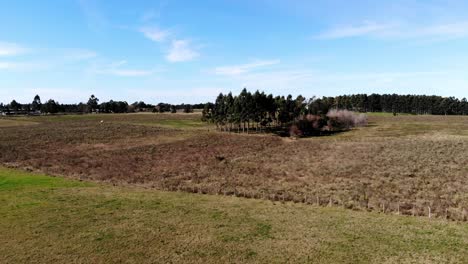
(412, 165)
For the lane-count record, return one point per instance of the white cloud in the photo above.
(23, 66)
(244, 68)
(367, 28)
(10, 49)
(452, 30)
(116, 69)
(181, 51)
(155, 34)
(398, 30)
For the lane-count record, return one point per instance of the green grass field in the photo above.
(55, 220)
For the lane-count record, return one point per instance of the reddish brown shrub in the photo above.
(294, 131)
(345, 120)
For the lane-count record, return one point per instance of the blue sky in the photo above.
(189, 51)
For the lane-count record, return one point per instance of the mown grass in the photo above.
(14, 180)
(54, 220)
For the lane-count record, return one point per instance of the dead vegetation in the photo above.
(413, 165)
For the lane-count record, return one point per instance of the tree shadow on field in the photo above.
(286, 133)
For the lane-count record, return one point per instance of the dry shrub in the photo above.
(314, 120)
(308, 125)
(294, 131)
(335, 120)
(345, 120)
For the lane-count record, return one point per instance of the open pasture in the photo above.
(13, 123)
(413, 165)
(56, 220)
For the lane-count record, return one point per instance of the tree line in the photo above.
(92, 106)
(394, 103)
(258, 111)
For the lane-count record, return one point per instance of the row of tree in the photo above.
(92, 106)
(394, 103)
(258, 110)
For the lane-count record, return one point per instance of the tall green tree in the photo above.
(36, 103)
(50, 107)
(93, 103)
(15, 106)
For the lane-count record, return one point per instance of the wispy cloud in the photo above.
(23, 66)
(94, 17)
(244, 68)
(61, 94)
(309, 82)
(155, 34)
(154, 12)
(117, 69)
(452, 30)
(79, 54)
(366, 28)
(11, 49)
(149, 15)
(398, 30)
(277, 80)
(7, 65)
(131, 73)
(180, 51)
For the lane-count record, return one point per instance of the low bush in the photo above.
(333, 121)
(345, 120)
